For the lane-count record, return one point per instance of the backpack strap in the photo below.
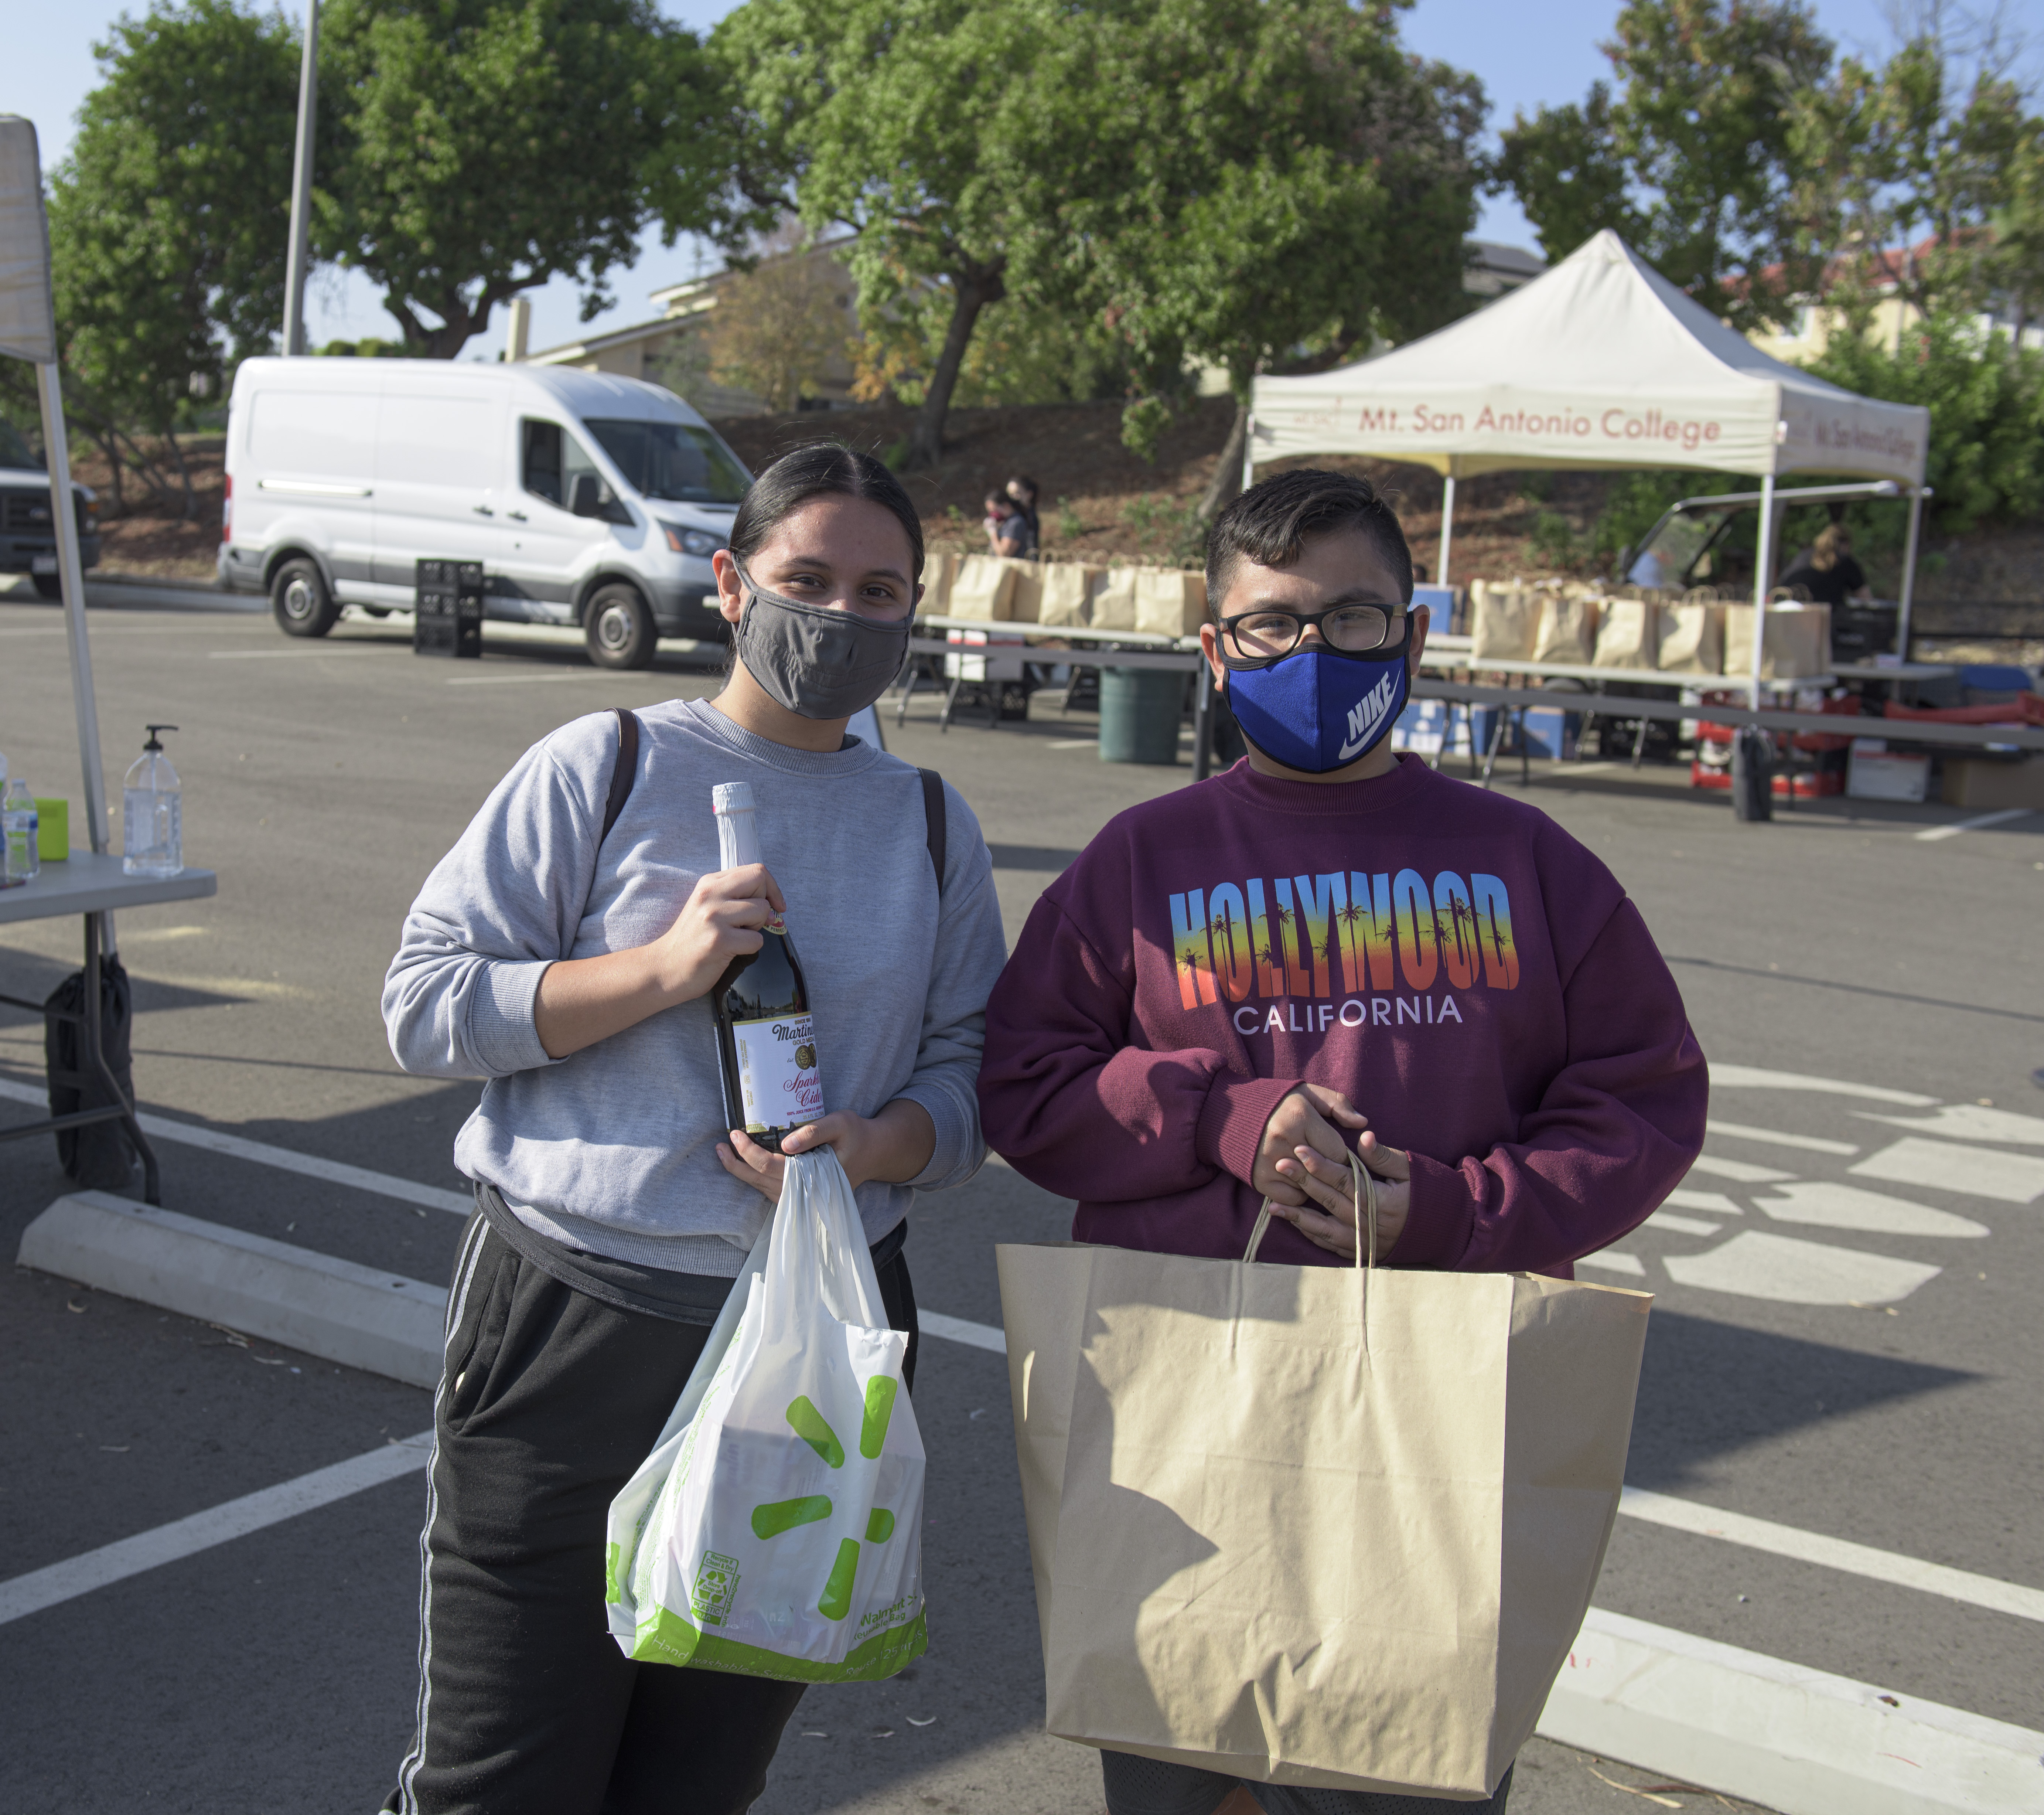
(934, 821)
(624, 772)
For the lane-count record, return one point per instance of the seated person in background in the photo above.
(1826, 570)
(1645, 572)
(1007, 531)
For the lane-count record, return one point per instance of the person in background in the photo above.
(1172, 1043)
(1023, 491)
(571, 966)
(1826, 570)
(1645, 572)
(1007, 531)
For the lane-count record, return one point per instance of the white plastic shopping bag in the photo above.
(776, 1530)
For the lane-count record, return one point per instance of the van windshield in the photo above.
(674, 461)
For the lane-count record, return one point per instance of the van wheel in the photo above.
(619, 628)
(298, 597)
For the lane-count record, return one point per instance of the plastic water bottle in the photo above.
(153, 833)
(21, 857)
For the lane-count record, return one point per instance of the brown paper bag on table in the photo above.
(1027, 598)
(1504, 622)
(1692, 639)
(1628, 634)
(1799, 641)
(1568, 630)
(983, 589)
(1114, 600)
(1169, 601)
(939, 570)
(1068, 590)
(1307, 1525)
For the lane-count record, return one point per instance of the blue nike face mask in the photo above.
(1319, 708)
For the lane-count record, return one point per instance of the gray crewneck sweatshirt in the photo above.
(612, 1150)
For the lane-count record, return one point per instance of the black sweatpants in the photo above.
(550, 1402)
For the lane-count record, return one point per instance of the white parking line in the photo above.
(1773, 1137)
(1833, 1553)
(1759, 1077)
(1986, 819)
(333, 1171)
(40, 1588)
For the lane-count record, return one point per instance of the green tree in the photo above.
(1268, 184)
(920, 124)
(168, 218)
(1921, 182)
(471, 149)
(1565, 167)
(1692, 161)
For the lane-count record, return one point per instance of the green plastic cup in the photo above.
(52, 830)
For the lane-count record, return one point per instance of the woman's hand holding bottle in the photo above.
(583, 1000)
(894, 1145)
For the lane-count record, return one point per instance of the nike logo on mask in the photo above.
(1365, 717)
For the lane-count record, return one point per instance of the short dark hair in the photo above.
(822, 469)
(1271, 523)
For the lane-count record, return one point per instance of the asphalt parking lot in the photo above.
(1848, 1287)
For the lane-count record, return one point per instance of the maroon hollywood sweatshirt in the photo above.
(1474, 980)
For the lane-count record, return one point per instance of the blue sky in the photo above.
(1527, 51)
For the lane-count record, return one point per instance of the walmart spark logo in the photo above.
(774, 1517)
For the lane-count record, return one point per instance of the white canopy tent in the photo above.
(1599, 363)
(28, 331)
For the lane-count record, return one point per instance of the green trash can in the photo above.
(1139, 712)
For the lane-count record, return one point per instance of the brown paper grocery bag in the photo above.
(1307, 1525)
(1504, 622)
(983, 589)
(1114, 600)
(1628, 633)
(1799, 641)
(1068, 590)
(1568, 631)
(1169, 601)
(1026, 597)
(1692, 639)
(939, 570)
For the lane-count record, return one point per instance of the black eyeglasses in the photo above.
(1266, 633)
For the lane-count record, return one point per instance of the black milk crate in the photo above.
(447, 602)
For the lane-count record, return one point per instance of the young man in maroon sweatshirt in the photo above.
(1327, 946)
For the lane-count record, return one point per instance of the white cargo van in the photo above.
(589, 500)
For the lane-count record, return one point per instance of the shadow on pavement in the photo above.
(1708, 1388)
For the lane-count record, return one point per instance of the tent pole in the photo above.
(1909, 575)
(1249, 453)
(71, 574)
(1447, 528)
(301, 185)
(1763, 561)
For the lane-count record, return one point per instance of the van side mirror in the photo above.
(593, 498)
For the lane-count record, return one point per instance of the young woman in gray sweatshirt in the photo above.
(570, 967)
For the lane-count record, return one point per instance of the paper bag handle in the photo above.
(1362, 1185)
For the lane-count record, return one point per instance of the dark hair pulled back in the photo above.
(824, 469)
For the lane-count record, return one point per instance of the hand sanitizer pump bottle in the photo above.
(152, 813)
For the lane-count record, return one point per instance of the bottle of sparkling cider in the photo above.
(766, 1035)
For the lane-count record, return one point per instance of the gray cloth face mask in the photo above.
(818, 663)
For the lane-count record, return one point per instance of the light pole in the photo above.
(301, 185)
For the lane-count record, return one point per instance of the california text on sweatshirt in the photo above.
(1474, 980)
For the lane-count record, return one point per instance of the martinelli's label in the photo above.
(777, 1071)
